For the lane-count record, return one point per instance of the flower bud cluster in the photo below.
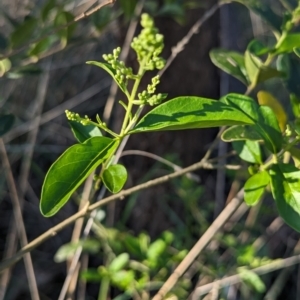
(122, 73)
(71, 116)
(149, 44)
(147, 97)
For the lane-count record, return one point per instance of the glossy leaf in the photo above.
(257, 48)
(269, 129)
(191, 112)
(265, 98)
(240, 133)
(285, 184)
(265, 120)
(23, 32)
(70, 170)
(230, 62)
(291, 41)
(248, 151)
(106, 67)
(256, 71)
(255, 187)
(82, 132)
(114, 178)
(6, 123)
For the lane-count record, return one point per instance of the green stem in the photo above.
(137, 82)
(104, 288)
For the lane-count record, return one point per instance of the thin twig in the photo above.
(19, 222)
(230, 280)
(76, 19)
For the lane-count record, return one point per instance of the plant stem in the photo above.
(137, 82)
(104, 287)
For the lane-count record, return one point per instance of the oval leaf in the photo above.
(106, 67)
(70, 170)
(119, 262)
(285, 184)
(6, 123)
(240, 133)
(265, 98)
(84, 132)
(291, 41)
(191, 112)
(114, 178)
(248, 151)
(230, 62)
(255, 187)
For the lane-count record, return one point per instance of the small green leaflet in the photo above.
(114, 177)
(230, 62)
(248, 151)
(71, 169)
(285, 184)
(106, 67)
(255, 187)
(84, 132)
(191, 112)
(240, 133)
(288, 44)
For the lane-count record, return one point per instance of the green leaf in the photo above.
(84, 132)
(257, 48)
(265, 98)
(119, 263)
(41, 46)
(256, 71)
(191, 112)
(287, 45)
(297, 51)
(106, 67)
(263, 117)
(71, 169)
(255, 187)
(91, 275)
(123, 279)
(230, 62)
(23, 32)
(248, 151)
(240, 133)
(156, 249)
(6, 123)
(114, 178)
(269, 129)
(62, 19)
(285, 184)
(46, 9)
